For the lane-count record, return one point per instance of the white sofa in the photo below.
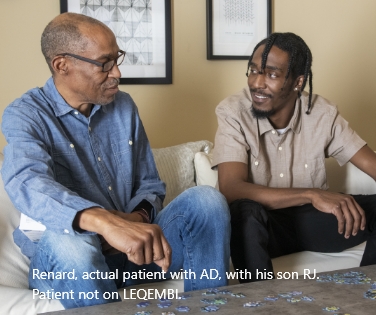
(181, 167)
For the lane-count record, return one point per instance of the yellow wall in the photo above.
(341, 34)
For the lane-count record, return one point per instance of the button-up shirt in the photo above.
(58, 162)
(295, 158)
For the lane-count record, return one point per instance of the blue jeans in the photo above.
(196, 224)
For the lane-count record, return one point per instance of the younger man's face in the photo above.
(271, 93)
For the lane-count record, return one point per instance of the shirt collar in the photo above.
(294, 124)
(58, 104)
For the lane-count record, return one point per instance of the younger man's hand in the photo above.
(349, 214)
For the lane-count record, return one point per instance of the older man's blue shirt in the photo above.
(58, 162)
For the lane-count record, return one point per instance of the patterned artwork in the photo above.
(239, 11)
(131, 22)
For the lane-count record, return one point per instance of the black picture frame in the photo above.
(234, 51)
(136, 73)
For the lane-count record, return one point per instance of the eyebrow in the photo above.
(268, 67)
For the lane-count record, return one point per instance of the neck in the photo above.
(71, 99)
(281, 119)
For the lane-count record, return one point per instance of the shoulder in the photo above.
(124, 102)
(320, 106)
(236, 104)
(29, 106)
(32, 99)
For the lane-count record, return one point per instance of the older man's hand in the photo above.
(142, 243)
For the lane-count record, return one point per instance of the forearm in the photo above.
(93, 220)
(270, 198)
(47, 202)
(233, 184)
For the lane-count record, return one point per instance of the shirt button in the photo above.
(76, 112)
(71, 145)
(99, 159)
(66, 231)
(273, 132)
(130, 142)
(256, 163)
(109, 188)
(281, 175)
(280, 148)
(305, 165)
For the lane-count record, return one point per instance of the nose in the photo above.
(257, 81)
(115, 72)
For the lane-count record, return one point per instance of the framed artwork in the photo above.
(142, 29)
(234, 27)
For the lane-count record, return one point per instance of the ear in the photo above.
(299, 83)
(59, 65)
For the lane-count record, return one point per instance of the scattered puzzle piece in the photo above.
(253, 304)
(184, 309)
(143, 304)
(271, 298)
(331, 308)
(209, 308)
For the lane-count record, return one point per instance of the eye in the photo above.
(272, 75)
(253, 71)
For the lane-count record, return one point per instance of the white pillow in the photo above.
(204, 174)
(15, 301)
(176, 167)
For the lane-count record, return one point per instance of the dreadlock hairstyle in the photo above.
(300, 58)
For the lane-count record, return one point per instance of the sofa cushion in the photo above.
(319, 262)
(348, 179)
(13, 265)
(176, 167)
(15, 301)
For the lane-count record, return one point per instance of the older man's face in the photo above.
(87, 83)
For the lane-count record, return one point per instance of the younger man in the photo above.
(270, 148)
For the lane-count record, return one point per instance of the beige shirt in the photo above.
(294, 159)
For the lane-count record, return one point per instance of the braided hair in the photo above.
(300, 58)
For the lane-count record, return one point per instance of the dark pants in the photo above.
(258, 235)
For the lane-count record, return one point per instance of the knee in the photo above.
(69, 248)
(246, 210)
(208, 203)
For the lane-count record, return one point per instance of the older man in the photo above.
(270, 148)
(78, 161)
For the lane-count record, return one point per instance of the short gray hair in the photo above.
(63, 34)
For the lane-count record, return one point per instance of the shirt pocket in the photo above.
(68, 168)
(310, 174)
(123, 153)
(259, 171)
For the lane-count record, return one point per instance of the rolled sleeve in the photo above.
(230, 142)
(345, 141)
